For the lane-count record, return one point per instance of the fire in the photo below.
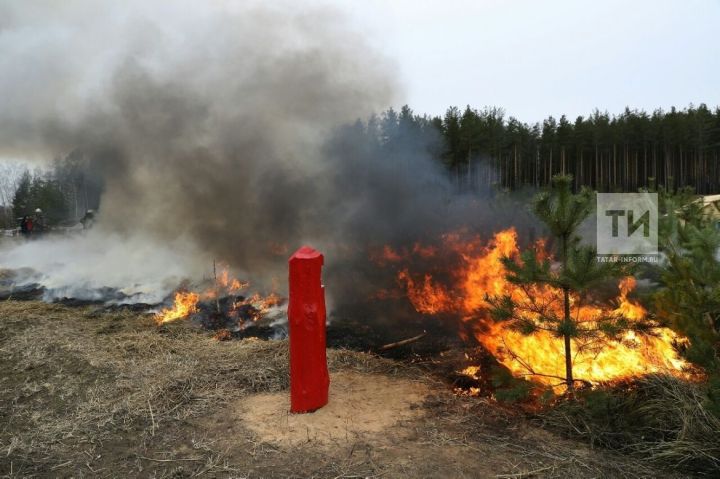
(471, 371)
(259, 303)
(427, 297)
(230, 284)
(187, 303)
(388, 254)
(540, 356)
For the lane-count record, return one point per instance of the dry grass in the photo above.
(487, 429)
(93, 394)
(658, 419)
(112, 376)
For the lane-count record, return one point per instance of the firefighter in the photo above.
(26, 226)
(88, 220)
(39, 225)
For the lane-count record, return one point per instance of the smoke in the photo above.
(216, 125)
(101, 267)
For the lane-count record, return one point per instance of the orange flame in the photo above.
(541, 356)
(186, 303)
(426, 297)
(231, 285)
(260, 303)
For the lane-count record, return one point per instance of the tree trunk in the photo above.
(567, 319)
(568, 347)
(550, 172)
(469, 162)
(597, 168)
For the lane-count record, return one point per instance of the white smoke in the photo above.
(98, 265)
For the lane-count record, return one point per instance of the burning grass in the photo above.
(222, 304)
(88, 393)
(476, 273)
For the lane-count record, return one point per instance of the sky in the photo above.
(532, 58)
(537, 58)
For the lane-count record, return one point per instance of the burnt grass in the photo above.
(440, 352)
(87, 392)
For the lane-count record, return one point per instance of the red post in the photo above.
(309, 380)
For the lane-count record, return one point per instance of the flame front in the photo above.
(540, 356)
(425, 296)
(187, 303)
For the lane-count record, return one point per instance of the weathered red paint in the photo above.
(309, 380)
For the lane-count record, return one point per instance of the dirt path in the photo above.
(90, 394)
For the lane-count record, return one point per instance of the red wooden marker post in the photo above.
(309, 380)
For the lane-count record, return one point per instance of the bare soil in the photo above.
(87, 393)
(360, 405)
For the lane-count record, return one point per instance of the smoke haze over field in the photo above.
(203, 120)
(216, 125)
(103, 267)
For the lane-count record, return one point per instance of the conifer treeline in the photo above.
(608, 153)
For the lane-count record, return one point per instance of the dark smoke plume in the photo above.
(202, 120)
(219, 124)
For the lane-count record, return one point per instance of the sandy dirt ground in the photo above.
(359, 406)
(90, 393)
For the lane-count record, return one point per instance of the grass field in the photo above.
(86, 393)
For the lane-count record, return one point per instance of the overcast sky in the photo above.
(536, 58)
